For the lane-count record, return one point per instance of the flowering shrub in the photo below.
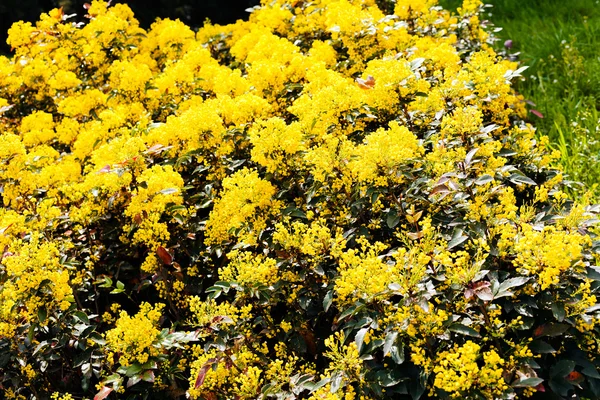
(337, 199)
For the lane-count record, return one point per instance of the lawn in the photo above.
(559, 41)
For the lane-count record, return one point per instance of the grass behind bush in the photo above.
(559, 41)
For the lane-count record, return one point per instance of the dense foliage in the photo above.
(334, 200)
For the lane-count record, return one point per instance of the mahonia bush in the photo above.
(337, 199)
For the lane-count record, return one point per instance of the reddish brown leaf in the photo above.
(575, 377)
(366, 84)
(440, 189)
(87, 6)
(164, 255)
(540, 388)
(539, 331)
(103, 393)
(202, 372)
(537, 113)
(468, 294)
(310, 340)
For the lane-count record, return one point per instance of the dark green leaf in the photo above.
(562, 368)
(541, 347)
(463, 330)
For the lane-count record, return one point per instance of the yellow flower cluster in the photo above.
(456, 371)
(133, 338)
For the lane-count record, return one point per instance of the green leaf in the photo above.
(541, 347)
(521, 179)
(390, 340)
(327, 300)
(360, 338)
(397, 353)
(550, 330)
(558, 310)
(482, 180)
(42, 314)
(562, 368)
(336, 381)
(350, 311)
(169, 191)
(457, 238)
(392, 219)
(528, 382)
(463, 330)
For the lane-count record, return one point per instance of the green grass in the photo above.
(560, 41)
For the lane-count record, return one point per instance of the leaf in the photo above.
(169, 191)
(327, 300)
(470, 155)
(390, 339)
(440, 189)
(392, 219)
(457, 238)
(366, 84)
(336, 381)
(103, 393)
(575, 377)
(521, 179)
(558, 310)
(350, 311)
(483, 179)
(202, 371)
(484, 293)
(562, 368)
(510, 283)
(550, 330)
(397, 353)
(148, 376)
(537, 113)
(164, 255)
(360, 338)
(541, 347)
(528, 382)
(463, 330)
(42, 314)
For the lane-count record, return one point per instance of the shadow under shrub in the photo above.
(325, 202)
